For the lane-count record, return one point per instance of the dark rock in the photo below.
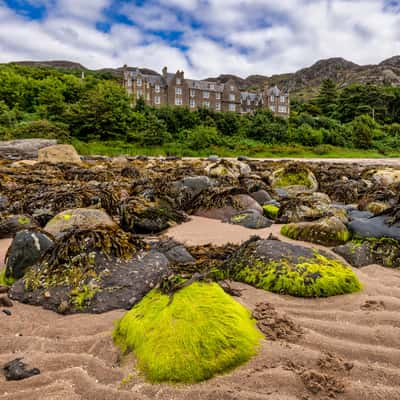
(261, 197)
(172, 158)
(12, 224)
(25, 250)
(3, 203)
(356, 214)
(375, 227)
(251, 219)
(7, 312)
(174, 251)
(121, 285)
(196, 183)
(141, 158)
(243, 158)
(17, 370)
(5, 302)
(23, 149)
(4, 289)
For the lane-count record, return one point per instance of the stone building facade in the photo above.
(173, 89)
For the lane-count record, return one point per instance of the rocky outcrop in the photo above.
(61, 153)
(24, 148)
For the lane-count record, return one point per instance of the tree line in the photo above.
(53, 103)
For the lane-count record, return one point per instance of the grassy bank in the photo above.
(246, 148)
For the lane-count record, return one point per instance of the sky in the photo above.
(202, 37)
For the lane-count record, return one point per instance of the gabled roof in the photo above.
(205, 85)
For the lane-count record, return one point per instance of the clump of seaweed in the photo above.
(200, 333)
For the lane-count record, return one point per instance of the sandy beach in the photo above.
(349, 347)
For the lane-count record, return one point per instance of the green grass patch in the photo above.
(4, 281)
(198, 334)
(316, 277)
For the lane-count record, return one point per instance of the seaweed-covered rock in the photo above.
(330, 231)
(294, 178)
(196, 183)
(3, 203)
(289, 269)
(139, 215)
(386, 177)
(60, 153)
(250, 219)
(304, 207)
(271, 210)
(82, 218)
(190, 336)
(91, 271)
(26, 249)
(11, 224)
(383, 251)
(227, 169)
(377, 207)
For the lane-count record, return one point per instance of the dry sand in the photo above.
(349, 349)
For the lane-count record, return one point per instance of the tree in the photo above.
(363, 131)
(308, 136)
(327, 98)
(154, 132)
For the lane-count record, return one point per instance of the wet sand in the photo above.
(350, 347)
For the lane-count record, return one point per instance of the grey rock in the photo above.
(375, 227)
(17, 370)
(23, 149)
(262, 197)
(213, 158)
(356, 214)
(250, 219)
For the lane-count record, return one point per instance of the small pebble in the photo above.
(7, 312)
(5, 302)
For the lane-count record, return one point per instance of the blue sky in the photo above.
(203, 37)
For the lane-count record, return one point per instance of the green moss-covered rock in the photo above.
(289, 269)
(327, 231)
(4, 280)
(270, 211)
(199, 332)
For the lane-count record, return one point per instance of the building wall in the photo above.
(176, 90)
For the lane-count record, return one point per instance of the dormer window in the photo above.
(157, 88)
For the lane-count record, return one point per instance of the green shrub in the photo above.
(198, 333)
(41, 129)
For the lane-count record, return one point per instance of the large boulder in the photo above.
(92, 271)
(250, 219)
(286, 268)
(61, 153)
(11, 224)
(227, 169)
(376, 227)
(330, 231)
(26, 249)
(292, 179)
(23, 149)
(386, 177)
(384, 252)
(262, 197)
(82, 218)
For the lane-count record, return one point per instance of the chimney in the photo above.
(165, 72)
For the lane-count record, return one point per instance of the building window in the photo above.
(178, 101)
(218, 96)
(178, 90)
(232, 107)
(129, 83)
(139, 94)
(212, 86)
(157, 89)
(157, 100)
(248, 102)
(232, 97)
(192, 103)
(218, 106)
(272, 108)
(283, 99)
(192, 93)
(282, 109)
(139, 82)
(232, 88)
(206, 95)
(206, 104)
(272, 98)
(148, 96)
(178, 81)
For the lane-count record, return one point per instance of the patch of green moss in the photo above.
(81, 296)
(315, 277)
(239, 218)
(270, 211)
(4, 280)
(67, 217)
(24, 220)
(299, 178)
(199, 332)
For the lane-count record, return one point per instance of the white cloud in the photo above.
(241, 37)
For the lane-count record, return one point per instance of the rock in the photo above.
(384, 252)
(61, 153)
(84, 218)
(5, 302)
(292, 179)
(271, 211)
(346, 190)
(375, 227)
(12, 224)
(243, 158)
(3, 203)
(250, 219)
(23, 163)
(17, 370)
(230, 169)
(286, 268)
(7, 312)
(196, 183)
(4, 289)
(377, 207)
(329, 231)
(174, 251)
(386, 177)
(213, 158)
(240, 202)
(304, 207)
(26, 249)
(23, 149)
(261, 197)
(356, 214)
(119, 162)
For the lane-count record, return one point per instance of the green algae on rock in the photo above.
(295, 178)
(199, 332)
(270, 211)
(285, 268)
(329, 231)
